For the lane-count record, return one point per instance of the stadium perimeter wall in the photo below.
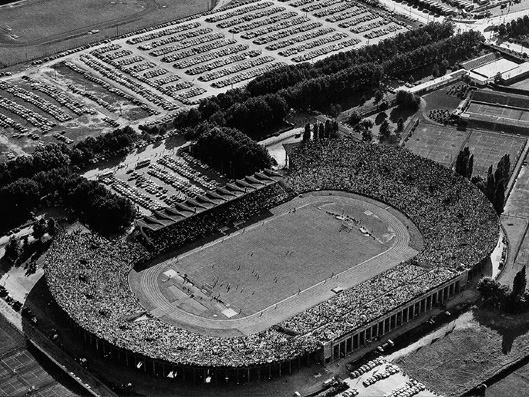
(361, 337)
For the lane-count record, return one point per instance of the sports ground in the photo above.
(497, 111)
(276, 267)
(442, 144)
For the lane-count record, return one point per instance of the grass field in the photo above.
(489, 147)
(292, 259)
(442, 144)
(438, 143)
(36, 28)
(497, 111)
(481, 343)
(518, 201)
(522, 85)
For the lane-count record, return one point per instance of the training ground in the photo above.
(278, 266)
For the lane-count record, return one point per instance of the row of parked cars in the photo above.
(163, 32)
(311, 44)
(239, 11)
(177, 38)
(287, 32)
(207, 67)
(299, 39)
(246, 75)
(250, 17)
(60, 96)
(325, 50)
(272, 21)
(111, 88)
(195, 60)
(239, 67)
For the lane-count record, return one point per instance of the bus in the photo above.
(143, 163)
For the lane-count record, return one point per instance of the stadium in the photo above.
(354, 241)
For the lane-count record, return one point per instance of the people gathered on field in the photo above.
(87, 274)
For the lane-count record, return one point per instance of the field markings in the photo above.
(299, 300)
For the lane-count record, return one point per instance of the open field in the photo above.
(442, 144)
(497, 111)
(518, 201)
(489, 147)
(480, 344)
(60, 24)
(438, 143)
(270, 269)
(522, 85)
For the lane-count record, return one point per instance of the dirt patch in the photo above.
(482, 343)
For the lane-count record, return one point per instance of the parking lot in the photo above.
(158, 175)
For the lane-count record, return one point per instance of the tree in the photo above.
(470, 167)
(39, 229)
(400, 124)
(385, 131)
(435, 70)
(355, 117)
(443, 67)
(367, 135)
(12, 248)
(407, 100)
(52, 227)
(492, 290)
(306, 133)
(462, 162)
(519, 283)
(499, 197)
(379, 95)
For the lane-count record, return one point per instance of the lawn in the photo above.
(481, 344)
(39, 28)
(441, 144)
(489, 147)
(276, 258)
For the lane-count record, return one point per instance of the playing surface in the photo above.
(489, 147)
(270, 270)
(441, 144)
(497, 111)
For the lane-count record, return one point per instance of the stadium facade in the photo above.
(283, 349)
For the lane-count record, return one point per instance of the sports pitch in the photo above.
(276, 267)
(497, 111)
(489, 147)
(441, 144)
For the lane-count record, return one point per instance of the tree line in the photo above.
(267, 99)
(229, 151)
(50, 173)
(516, 27)
(54, 155)
(495, 184)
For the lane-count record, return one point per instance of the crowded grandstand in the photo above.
(88, 274)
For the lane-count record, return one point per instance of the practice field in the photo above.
(518, 202)
(272, 269)
(441, 144)
(497, 111)
(489, 147)
(20, 369)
